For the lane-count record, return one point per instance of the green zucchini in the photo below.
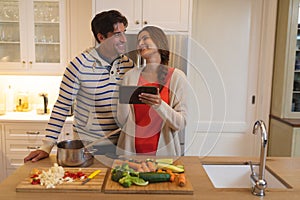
(155, 177)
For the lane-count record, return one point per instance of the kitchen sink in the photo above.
(238, 176)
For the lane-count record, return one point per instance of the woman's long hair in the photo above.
(161, 41)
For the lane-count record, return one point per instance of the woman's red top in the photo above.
(148, 122)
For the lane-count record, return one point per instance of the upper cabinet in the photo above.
(32, 37)
(172, 15)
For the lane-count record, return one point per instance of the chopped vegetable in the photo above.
(74, 175)
(172, 175)
(35, 179)
(126, 181)
(54, 176)
(181, 180)
(139, 181)
(118, 175)
(165, 161)
(122, 174)
(171, 167)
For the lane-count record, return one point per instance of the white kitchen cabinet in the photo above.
(21, 138)
(32, 37)
(2, 171)
(285, 137)
(172, 15)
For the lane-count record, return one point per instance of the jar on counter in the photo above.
(22, 104)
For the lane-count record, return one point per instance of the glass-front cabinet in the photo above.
(284, 127)
(286, 74)
(294, 59)
(32, 37)
(296, 85)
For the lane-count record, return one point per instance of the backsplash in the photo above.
(31, 86)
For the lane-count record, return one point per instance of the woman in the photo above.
(153, 127)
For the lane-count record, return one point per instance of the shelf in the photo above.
(9, 22)
(9, 42)
(47, 43)
(46, 23)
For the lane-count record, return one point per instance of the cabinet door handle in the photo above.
(33, 147)
(23, 63)
(32, 132)
(137, 22)
(145, 22)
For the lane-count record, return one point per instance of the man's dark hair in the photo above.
(104, 22)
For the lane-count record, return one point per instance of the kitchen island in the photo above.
(287, 168)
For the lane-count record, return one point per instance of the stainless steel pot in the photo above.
(72, 153)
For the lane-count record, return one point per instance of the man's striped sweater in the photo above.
(91, 84)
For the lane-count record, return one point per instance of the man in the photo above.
(90, 82)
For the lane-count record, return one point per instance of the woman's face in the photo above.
(146, 46)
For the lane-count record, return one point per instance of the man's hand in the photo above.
(36, 155)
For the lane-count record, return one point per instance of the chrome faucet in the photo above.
(259, 181)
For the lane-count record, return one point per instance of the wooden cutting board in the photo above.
(94, 185)
(152, 188)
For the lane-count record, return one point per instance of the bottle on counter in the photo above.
(2, 103)
(9, 99)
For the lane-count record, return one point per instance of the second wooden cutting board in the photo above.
(152, 188)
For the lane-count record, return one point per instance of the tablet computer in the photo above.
(130, 94)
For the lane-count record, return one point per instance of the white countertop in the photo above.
(27, 116)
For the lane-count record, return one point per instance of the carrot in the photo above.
(159, 170)
(172, 175)
(181, 180)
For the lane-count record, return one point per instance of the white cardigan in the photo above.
(174, 116)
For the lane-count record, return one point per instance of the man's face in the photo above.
(115, 42)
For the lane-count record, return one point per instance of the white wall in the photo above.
(33, 85)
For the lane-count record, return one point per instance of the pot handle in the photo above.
(103, 138)
(90, 151)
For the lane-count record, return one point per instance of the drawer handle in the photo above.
(32, 147)
(32, 132)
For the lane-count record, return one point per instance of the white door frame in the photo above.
(266, 10)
